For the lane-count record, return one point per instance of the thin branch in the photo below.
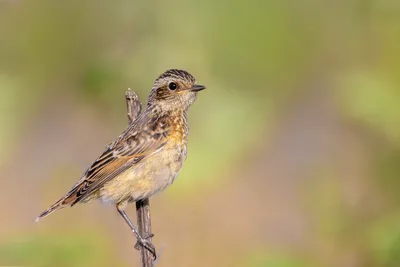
(144, 225)
(133, 105)
(134, 108)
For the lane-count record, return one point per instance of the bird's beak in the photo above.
(197, 88)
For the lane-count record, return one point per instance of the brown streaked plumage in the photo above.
(147, 156)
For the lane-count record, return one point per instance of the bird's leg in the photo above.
(140, 240)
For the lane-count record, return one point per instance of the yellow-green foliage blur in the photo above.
(294, 150)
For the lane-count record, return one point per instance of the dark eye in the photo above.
(172, 86)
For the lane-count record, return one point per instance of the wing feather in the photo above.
(130, 148)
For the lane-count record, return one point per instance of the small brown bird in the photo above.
(146, 157)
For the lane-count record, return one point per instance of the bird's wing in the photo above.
(131, 147)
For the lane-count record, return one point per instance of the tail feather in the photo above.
(56, 206)
(70, 199)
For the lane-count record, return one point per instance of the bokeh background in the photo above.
(294, 151)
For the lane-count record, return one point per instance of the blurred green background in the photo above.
(294, 151)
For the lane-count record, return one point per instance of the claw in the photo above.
(143, 242)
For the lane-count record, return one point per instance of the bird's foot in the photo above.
(145, 243)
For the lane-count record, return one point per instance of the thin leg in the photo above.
(130, 224)
(141, 241)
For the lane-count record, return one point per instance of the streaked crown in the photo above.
(175, 74)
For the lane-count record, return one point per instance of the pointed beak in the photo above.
(197, 88)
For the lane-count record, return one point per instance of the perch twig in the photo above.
(134, 107)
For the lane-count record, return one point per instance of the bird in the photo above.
(147, 157)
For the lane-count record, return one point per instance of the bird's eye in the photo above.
(172, 86)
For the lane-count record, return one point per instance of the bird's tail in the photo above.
(56, 206)
(70, 199)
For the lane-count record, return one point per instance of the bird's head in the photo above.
(174, 89)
